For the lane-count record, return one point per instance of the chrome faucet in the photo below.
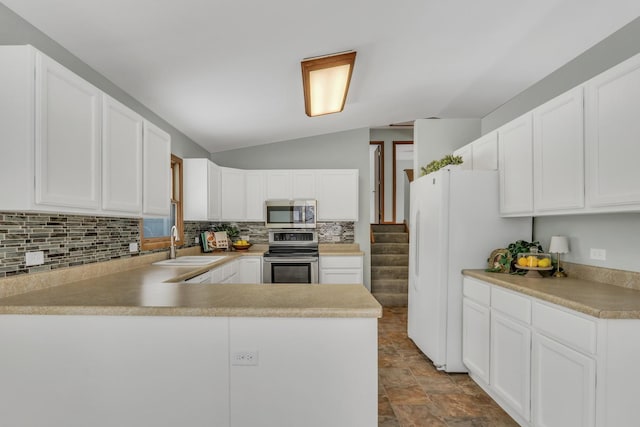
(174, 238)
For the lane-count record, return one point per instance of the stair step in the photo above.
(391, 300)
(388, 228)
(389, 248)
(389, 260)
(397, 286)
(389, 272)
(391, 237)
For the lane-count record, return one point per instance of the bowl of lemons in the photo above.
(241, 245)
(534, 262)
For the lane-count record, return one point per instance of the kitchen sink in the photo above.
(188, 261)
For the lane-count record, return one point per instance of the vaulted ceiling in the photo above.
(227, 72)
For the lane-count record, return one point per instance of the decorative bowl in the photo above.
(239, 247)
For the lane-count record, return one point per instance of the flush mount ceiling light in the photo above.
(326, 81)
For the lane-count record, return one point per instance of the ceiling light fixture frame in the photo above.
(325, 62)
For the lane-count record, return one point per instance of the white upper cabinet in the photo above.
(121, 157)
(214, 191)
(254, 195)
(201, 188)
(156, 167)
(515, 145)
(484, 153)
(67, 147)
(337, 195)
(558, 153)
(613, 137)
(67, 137)
(278, 184)
(466, 152)
(303, 184)
(233, 191)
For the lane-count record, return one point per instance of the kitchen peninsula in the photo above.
(137, 348)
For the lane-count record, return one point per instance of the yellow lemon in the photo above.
(544, 263)
(522, 261)
(532, 261)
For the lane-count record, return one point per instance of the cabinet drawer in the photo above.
(477, 291)
(572, 329)
(511, 304)
(341, 261)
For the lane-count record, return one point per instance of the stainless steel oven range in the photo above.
(292, 257)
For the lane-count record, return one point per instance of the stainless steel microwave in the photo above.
(290, 213)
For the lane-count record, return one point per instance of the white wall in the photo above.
(16, 31)
(341, 150)
(435, 138)
(619, 234)
(388, 136)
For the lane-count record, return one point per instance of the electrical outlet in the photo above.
(133, 247)
(196, 240)
(34, 258)
(599, 254)
(244, 358)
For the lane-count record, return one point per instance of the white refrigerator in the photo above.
(454, 225)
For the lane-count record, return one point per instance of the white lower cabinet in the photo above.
(200, 278)
(230, 272)
(340, 269)
(510, 363)
(250, 270)
(564, 385)
(475, 338)
(550, 366)
(246, 269)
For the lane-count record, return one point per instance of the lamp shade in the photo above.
(559, 244)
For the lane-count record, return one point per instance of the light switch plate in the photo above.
(598, 254)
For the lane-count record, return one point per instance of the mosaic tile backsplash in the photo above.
(71, 240)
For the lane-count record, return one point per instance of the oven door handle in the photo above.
(287, 259)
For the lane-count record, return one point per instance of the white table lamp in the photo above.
(559, 245)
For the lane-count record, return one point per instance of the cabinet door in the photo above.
(466, 152)
(67, 137)
(156, 171)
(250, 270)
(254, 195)
(476, 325)
(558, 153)
(216, 275)
(515, 144)
(214, 192)
(564, 383)
(121, 157)
(510, 370)
(303, 184)
(340, 269)
(337, 195)
(278, 184)
(343, 276)
(195, 187)
(612, 135)
(485, 152)
(232, 191)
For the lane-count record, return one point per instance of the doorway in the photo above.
(402, 161)
(376, 178)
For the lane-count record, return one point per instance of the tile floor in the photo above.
(411, 392)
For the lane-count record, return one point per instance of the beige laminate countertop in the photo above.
(156, 291)
(595, 299)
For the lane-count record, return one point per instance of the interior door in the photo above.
(374, 183)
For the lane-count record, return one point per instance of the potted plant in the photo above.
(435, 165)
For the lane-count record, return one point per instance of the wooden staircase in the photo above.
(390, 264)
